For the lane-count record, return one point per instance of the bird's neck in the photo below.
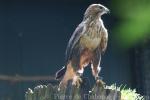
(91, 20)
(93, 17)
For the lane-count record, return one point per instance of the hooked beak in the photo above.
(107, 10)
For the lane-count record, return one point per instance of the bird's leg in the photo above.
(77, 77)
(69, 74)
(83, 61)
(80, 64)
(77, 80)
(95, 72)
(72, 73)
(95, 65)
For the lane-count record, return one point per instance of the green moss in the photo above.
(126, 93)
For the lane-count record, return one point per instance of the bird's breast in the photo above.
(89, 42)
(92, 37)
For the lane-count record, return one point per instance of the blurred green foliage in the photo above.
(126, 93)
(134, 24)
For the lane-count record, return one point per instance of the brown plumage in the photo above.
(85, 46)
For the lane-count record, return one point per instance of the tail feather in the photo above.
(60, 73)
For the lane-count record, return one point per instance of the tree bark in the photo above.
(50, 92)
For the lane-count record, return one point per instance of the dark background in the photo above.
(34, 36)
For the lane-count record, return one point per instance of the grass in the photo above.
(126, 93)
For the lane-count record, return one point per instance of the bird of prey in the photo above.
(85, 46)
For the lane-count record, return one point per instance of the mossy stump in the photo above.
(50, 92)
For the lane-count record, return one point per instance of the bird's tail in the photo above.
(60, 73)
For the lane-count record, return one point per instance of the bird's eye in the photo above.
(101, 7)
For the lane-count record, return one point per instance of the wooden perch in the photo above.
(50, 92)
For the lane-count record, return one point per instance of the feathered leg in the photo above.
(73, 72)
(95, 65)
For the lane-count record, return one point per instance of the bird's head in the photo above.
(95, 10)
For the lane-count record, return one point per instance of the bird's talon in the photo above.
(77, 81)
(100, 83)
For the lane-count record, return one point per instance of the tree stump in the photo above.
(50, 92)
